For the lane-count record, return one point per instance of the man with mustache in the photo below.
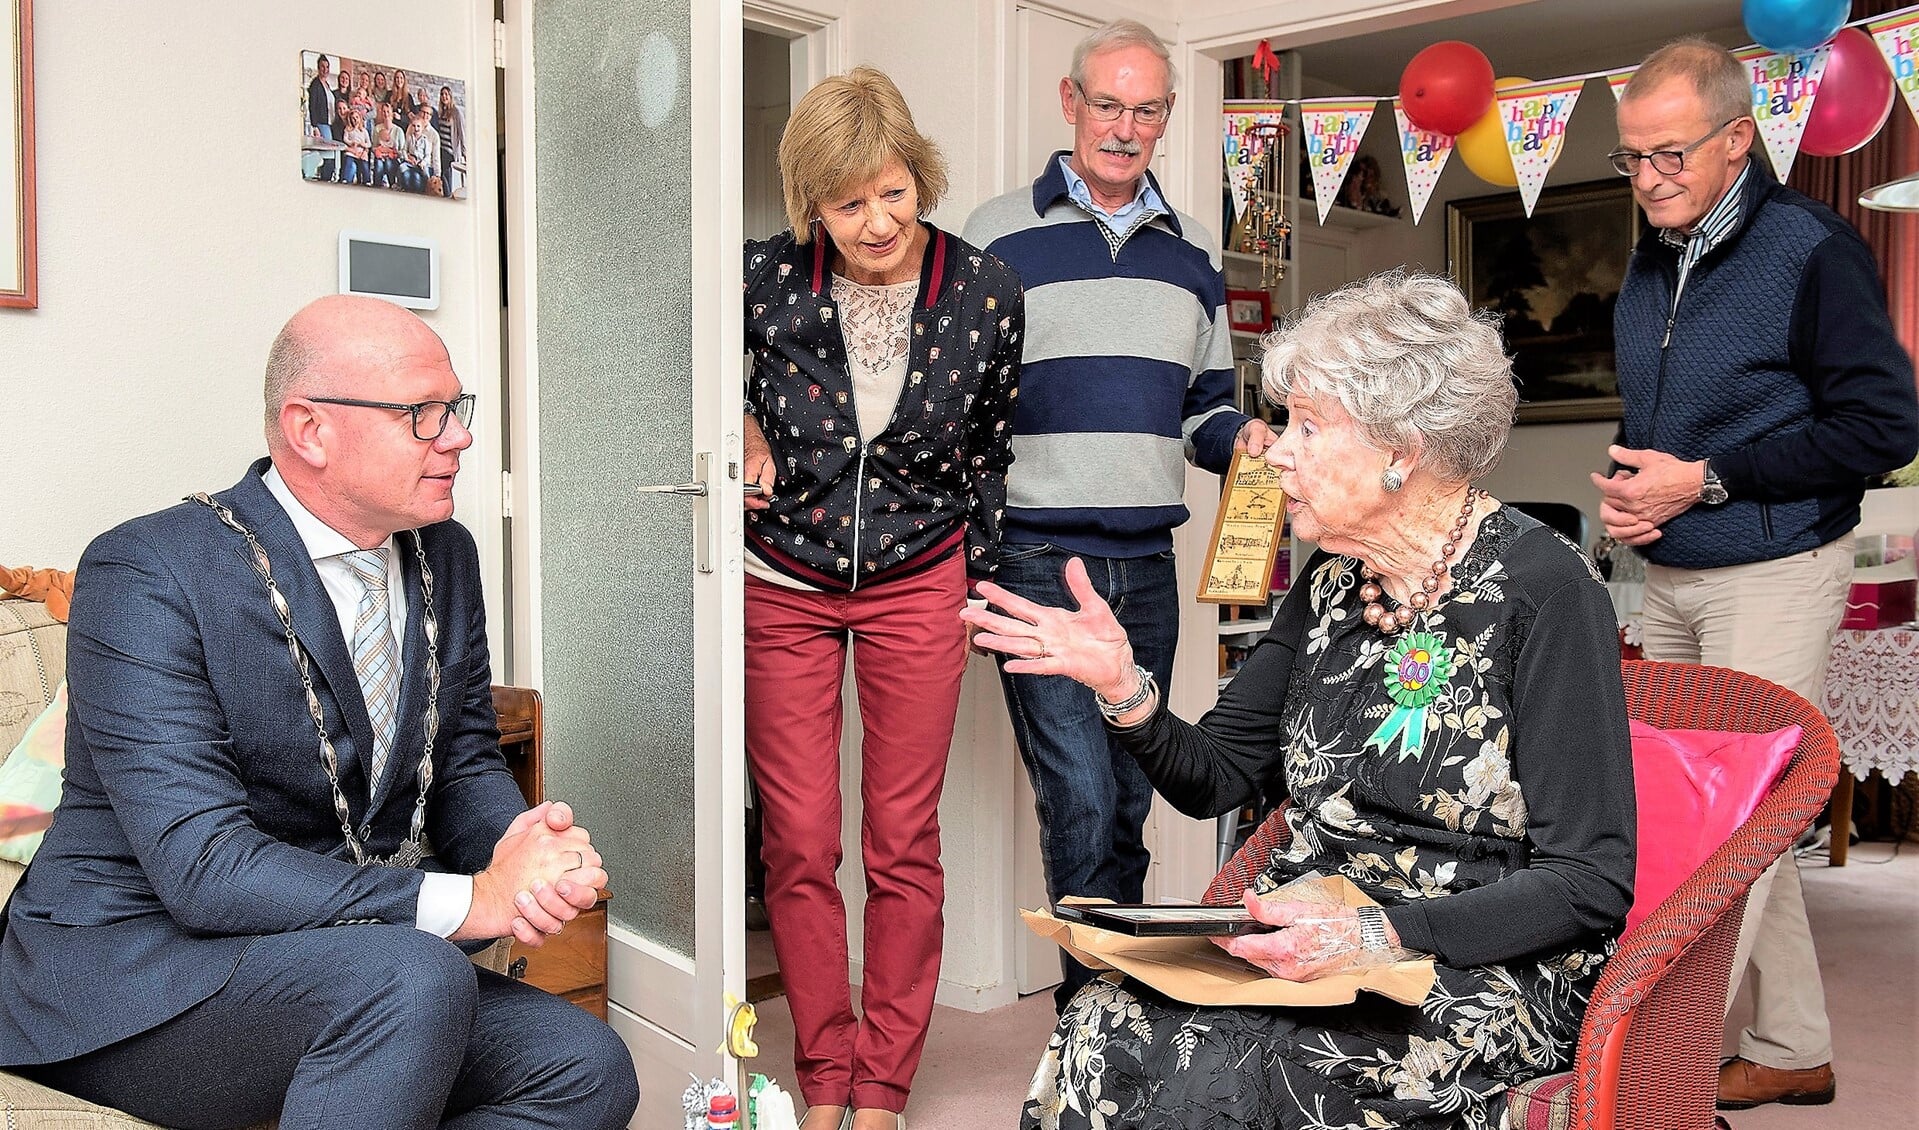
(1127, 373)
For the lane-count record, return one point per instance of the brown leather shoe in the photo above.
(1744, 1084)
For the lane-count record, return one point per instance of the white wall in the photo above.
(172, 249)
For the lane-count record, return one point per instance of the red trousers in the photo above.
(909, 651)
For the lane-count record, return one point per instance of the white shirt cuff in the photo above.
(444, 903)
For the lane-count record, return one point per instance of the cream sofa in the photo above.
(33, 659)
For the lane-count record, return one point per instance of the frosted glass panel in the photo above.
(612, 192)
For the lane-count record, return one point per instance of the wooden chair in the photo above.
(1649, 1047)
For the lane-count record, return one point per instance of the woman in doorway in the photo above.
(885, 355)
(1439, 700)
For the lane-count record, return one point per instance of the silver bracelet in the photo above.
(1113, 711)
(1372, 929)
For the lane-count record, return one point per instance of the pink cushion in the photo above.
(1694, 788)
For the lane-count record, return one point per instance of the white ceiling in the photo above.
(1541, 40)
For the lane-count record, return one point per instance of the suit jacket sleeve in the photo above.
(154, 727)
(474, 796)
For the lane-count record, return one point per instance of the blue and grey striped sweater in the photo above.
(1127, 370)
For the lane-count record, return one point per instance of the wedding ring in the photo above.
(1043, 653)
(581, 856)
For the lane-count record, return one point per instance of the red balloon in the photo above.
(1446, 87)
(1854, 99)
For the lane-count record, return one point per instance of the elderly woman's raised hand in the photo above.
(1087, 646)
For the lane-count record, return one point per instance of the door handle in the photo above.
(704, 549)
(696, 489)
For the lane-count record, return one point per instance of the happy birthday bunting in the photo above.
(1332, 130)
(1616, 82)
(1895, 35)
(1248, 128)
(1535, 117)
(1424, 154)
(1783, 89)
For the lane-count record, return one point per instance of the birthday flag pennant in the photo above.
(1332, 129)
(1535, 117)
(1616, 82)
(1248, 128)
(1783, 89)
(1424, 153)
(1896, 35)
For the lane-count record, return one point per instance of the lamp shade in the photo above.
(1900, 195)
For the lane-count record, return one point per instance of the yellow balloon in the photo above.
(1483, 145)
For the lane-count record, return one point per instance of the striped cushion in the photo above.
(1541, 1104)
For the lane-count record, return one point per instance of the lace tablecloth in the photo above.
(1872, 698)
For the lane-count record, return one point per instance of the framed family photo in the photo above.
(1553, 279)
(17, 237)
(1249, 311)
(372, 125)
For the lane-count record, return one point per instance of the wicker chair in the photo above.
(1649, 1047)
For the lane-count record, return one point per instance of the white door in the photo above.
(623, 157)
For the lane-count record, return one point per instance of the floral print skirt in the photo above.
(1125, 1056)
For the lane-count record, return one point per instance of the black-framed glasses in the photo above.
(429, 416)
(1665, 162)
(1149, 114)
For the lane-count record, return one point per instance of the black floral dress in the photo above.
(1473, 775)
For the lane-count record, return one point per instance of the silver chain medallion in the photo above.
(412, 850)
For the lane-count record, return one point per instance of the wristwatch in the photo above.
(1372, 928)
(1712, 492)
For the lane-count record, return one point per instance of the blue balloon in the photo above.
(1793, 26)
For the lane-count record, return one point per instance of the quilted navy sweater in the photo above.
(1779, 365)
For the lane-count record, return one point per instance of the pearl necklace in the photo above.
(1392, 623)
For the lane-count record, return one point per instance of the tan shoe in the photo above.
(1744, 1084)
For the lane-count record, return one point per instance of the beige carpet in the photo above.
(1866, 919)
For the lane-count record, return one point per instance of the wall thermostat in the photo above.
(402, 269)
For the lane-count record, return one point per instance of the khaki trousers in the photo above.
(1773, 619)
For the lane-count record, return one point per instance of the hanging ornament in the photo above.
(1267, 232)
(1267, 64)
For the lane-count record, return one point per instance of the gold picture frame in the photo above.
(1553, 279)
(19, 263)
(1247, 533)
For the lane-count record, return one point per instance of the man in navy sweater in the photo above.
(1127, 374)
(1762, 386)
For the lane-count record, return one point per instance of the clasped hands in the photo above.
(544, 872)
(1650, 489)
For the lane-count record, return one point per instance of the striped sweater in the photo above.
(1127, 370)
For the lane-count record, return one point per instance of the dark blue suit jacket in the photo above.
(195, 814)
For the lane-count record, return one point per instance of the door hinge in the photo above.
(506, 494)
(499, 44)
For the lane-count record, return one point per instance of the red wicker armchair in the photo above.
(1649, 1048)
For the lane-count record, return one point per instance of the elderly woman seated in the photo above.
(1439, 703)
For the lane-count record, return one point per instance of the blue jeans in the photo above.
(1092, 796)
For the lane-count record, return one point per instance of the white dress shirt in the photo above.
(445, 899)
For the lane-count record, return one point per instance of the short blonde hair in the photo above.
(1414, 366)
(1716, 75)
(843, 132)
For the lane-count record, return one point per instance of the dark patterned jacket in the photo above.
(846, 513)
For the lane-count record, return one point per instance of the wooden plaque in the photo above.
(1246, 535)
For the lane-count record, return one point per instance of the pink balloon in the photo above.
(1855, 97)
(1446, 87)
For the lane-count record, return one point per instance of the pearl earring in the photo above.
(1392, 480)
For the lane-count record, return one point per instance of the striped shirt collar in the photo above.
(1714, 227)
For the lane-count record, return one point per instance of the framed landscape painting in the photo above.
(1553, 279)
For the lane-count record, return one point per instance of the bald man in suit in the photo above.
(285, 806)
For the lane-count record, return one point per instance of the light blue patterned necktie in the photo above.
(376, 654)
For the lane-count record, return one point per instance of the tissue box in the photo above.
(1882, 596)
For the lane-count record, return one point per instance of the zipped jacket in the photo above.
(1779, 364)
(845, 512)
